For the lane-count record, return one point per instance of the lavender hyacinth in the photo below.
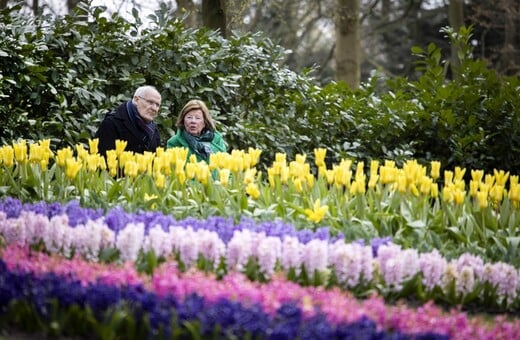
(268, 252)
(117, 218)
(432, 266)
(397, 265)
(292, 254)
(505, 278)
(239, 250)
(130, 240)
(315, 256)
(352, 263)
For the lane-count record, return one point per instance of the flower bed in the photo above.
(53, 289)
(185, 249)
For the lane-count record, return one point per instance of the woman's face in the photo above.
(194, 122)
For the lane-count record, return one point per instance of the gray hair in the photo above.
(143, 90)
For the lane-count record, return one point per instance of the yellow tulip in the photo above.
(435, 171)
(482, 198)
(181, 176)
(373, 181)
(73, 166)
(252, 190)
(81, 152)
(249, 175)
(92, 162)
(271, 173)
(434, 191)
(317, 213)
(425, 185)
(7, 156)
(131, 168)
(310, 180)
(401, 182)
(319, 156)
(224, 176)
(501, 177)
(112, 162)
(93, 146)
(447, 194)
(120, 146)
(300, 158)
(514, 193)
(477, 175)
(497, 193)
(63, 154)
(458, 196)
(489, 180)
(20, 151)
(448, 177)
(298, 185)
(473, 187)
(255, 156)
(202, 172)
(160, 180)
(459, 173)
(414, 190)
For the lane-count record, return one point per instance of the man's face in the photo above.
(148, 105)
(194, 122)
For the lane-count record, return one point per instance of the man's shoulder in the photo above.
(118, 113)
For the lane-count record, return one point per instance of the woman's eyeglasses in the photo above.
(150, 102)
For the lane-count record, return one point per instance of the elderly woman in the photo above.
(196, 131)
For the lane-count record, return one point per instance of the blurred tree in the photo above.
(387, 29)
(497, 33)
(347, 42)
(456, 19)
(188, 10)
(214, 15)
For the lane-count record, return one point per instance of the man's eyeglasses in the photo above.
(150, 102)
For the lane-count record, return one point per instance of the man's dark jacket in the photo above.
(119, 125)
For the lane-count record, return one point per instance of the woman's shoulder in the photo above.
(217, 135)
(176, 140)
(218, 141)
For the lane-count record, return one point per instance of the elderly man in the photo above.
(133, 122)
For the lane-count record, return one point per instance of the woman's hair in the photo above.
(193, 105)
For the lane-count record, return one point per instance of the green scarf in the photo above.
(201, 145)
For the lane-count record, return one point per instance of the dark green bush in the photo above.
(59, 75)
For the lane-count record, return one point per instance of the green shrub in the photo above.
(59, 75)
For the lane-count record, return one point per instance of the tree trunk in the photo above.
(510, 56)
(456, 20)
(35, 7)
(348, 50)
(214, 15)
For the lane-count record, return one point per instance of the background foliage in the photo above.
(59, 75)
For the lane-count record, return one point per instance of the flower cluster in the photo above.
(234, 303)
(273, 247)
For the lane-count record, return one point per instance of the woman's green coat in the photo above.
(177, 140)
